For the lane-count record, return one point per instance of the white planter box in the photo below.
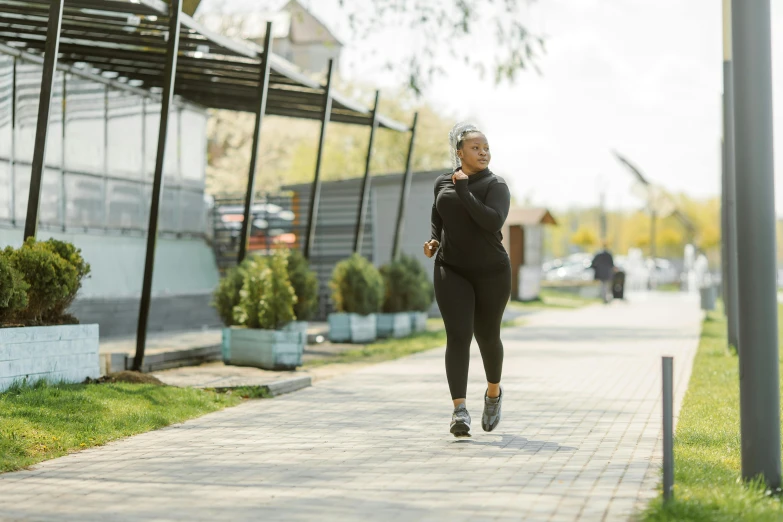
(418, 321)
(67, 353)
(266, 349)
(394, 325)
(353, 328)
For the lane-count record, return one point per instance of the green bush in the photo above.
(13, 291)
(305, 284)
(73, 256)
(267, 299)
(226, 296)
(407, 288)
(357, 286)
(52, 280)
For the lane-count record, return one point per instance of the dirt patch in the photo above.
(130, 377)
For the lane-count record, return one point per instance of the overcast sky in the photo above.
(643, 77)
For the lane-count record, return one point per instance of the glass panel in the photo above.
(22, 186)
(125, 135)
(168, 218)
(194, 145)
(5, 190)
(28, 90)
(194, 212)
(28, 93)
(151, 122)
(127, 205)
(54, 136)
(6, 78)
(85, 126)
(49, 210)
(85, 201)
(171, 161)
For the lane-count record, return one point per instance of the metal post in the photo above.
(406, 189)
(106, 195)
(157, 185)
(247, 223)
(44, 104)
(63, 191)
(315, 195)
(668, 429)
(724, 231)
(755, 210)
(361, 219)
(730, 187)
(13, 144)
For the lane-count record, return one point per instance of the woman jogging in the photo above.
(472, 269)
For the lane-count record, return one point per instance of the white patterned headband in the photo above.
(456, 135)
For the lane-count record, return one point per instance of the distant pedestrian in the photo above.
(472, 270)
(603, 265)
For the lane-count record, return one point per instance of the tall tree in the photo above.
(445, 26)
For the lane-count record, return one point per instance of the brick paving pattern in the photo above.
(579, 440)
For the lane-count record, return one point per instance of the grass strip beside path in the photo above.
(707, 444)
(549, 298)
(44, 421)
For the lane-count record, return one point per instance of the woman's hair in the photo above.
(457, 135)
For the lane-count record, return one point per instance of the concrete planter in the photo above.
(66, 353)
(353, 328)
(418, 321)
(394, 325)
(266, 349)
(300, 327)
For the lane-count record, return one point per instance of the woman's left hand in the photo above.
(457, 176)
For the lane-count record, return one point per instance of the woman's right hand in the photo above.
(430, 247)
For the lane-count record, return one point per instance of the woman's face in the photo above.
(474, 153)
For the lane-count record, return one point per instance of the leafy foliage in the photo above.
(305, 283)
(457, 22)
(357, 286)
(226, 296)
(407, 287)
(13, 291)
(266, 299)
(53, 281)
(73, 256)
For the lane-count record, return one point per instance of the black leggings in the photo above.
(471, 304)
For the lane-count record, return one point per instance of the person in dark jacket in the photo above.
(603, 265)
(472, 270)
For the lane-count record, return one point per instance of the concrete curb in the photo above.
(275, 388)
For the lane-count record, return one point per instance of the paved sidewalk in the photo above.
(579, 440)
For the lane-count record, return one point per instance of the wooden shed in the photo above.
(523, 237)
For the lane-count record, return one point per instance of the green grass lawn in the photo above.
(387, 349)
(45, 421)
(707, 444)
(549, 298)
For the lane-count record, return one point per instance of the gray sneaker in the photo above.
(491, 416)
(460, 421)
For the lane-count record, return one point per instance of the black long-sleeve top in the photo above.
(467, 218)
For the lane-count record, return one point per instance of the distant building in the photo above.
(299, 36)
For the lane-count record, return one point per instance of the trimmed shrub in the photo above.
(305, 284)
(73, 256)
(357, 286)
(226, 296)
(407, 288)
(267, 299)
(13, 291)
(52, 280)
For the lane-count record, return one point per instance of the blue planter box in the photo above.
(394, 325)
(266, 349)
(418, 321)
(352, 328)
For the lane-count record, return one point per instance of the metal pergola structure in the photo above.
(128, 44)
